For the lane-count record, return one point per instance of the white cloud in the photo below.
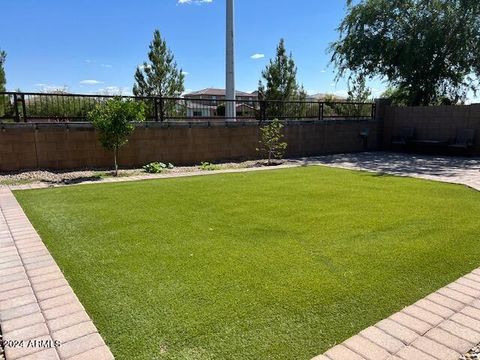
(257, 56)
(186, 73)
(90, 82)
(323, 71)
(196, 2)
(106, 66)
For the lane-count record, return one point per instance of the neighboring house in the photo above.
(211, 96)
(194, 110)
(208, 102)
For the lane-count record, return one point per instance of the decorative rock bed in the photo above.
(91, 175)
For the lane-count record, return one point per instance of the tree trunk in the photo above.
(115, 150)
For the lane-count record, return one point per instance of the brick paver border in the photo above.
(36, 302)
(40, 315)
(442, 326)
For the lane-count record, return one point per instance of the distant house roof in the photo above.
(195, 106)
(215, 92)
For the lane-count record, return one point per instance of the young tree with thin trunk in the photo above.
(271, 141)
(3, 81)
(114, 122)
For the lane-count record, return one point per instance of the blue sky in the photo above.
(92, 45)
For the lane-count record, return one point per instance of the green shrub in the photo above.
(271, 144)
(113, 121)
(157, 167)
(206, 166)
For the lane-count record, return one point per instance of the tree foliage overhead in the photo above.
(3, 80)
(160, 76)
(428, 50)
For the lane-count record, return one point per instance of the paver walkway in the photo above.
(40, 316)
(457, 170)
(37, 303)
(442, 326)
(445, 324)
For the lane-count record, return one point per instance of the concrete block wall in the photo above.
(75, 146)
(432, 122)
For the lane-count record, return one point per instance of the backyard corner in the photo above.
(185, 268)
(240, 180)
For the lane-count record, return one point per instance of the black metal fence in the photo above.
(61, 107)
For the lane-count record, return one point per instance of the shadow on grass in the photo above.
(79, 180)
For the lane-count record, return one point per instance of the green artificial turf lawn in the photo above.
(278, 264)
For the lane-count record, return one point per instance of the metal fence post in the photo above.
(16, 114)
(155, 108)
(24, 108)
(162, 110)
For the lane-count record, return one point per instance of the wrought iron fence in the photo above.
(61, 107)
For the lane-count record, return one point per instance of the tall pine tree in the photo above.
(3, 80)
(160, 76)
(280, 84)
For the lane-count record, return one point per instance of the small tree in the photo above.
(271, 143)
(113, 120)
(3, 99)
(279, 83)
(161, 75)
(3, 80)
(359, 93)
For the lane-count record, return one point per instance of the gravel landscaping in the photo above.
(473, 354)
(78, 176)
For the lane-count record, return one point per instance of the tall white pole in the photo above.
(230, 108)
